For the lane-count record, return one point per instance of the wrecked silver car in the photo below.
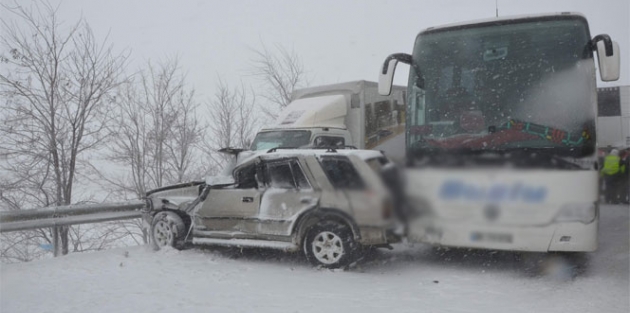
(330, 204)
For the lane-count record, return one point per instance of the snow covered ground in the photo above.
(407, 279)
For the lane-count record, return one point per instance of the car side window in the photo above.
(377, 164)
(279, 175)
(342, 173)
(300, 179)
(286, 174)
(246, 177)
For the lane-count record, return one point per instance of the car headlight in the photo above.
(148, 206)
(577, 212)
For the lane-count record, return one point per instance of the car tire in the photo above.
(330, 245)
(167, 229)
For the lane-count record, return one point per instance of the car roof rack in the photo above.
(327, 148)
(330, 147)
(276, 149)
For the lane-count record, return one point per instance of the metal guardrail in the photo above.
(69, 215)
(55, 217)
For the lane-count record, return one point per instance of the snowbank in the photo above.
(408, 279)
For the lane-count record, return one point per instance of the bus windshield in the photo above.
(502, 86)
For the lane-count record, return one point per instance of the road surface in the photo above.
(407, 279)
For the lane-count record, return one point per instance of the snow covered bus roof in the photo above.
(502, 20)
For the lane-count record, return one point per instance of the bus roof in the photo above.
(502, 20)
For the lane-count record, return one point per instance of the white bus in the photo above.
(501, 132)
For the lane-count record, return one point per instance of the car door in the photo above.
(288, 193)
(345, 178)
(232, 211)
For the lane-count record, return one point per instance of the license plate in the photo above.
(491, 237)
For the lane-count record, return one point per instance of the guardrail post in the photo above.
(55, 230)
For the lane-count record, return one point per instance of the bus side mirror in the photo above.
(386, 75)
(608, 57)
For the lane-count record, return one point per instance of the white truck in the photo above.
(340, 115)
(501, 134)
(613, 121)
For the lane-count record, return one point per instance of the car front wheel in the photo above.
(167, 229)
(330, 245)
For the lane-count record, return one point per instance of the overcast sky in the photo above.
(338, 40)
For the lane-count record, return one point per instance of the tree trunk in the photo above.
(63, 232)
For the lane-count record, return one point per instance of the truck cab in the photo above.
(350, 114)
(317, 121)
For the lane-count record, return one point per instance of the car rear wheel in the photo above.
(167, 229)
(329, 245)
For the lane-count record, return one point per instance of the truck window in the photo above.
(281, 138)
(341, 173)
(329, 141)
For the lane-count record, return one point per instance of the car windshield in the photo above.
(524, 84)
(281, 138)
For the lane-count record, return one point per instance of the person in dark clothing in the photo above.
(624, 181)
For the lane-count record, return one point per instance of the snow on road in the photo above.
(407, 279)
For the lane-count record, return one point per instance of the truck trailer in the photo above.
(350, 114)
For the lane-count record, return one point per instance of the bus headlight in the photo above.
(577, 212)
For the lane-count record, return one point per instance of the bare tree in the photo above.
(56, 83)
(185, 137)
(233, 121)
(157, 129)
(132, 145)
(24, 191)
(281, 72)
